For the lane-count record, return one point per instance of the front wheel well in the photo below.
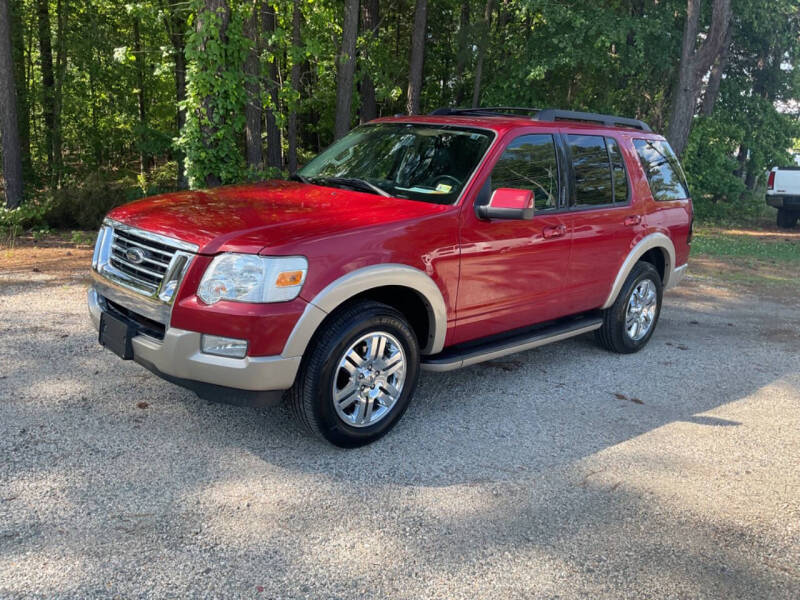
(408, 302)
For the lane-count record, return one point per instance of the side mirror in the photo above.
(507, 203)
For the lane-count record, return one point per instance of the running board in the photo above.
(470, 354)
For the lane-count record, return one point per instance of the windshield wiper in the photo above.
(353, 182)
(300, 178)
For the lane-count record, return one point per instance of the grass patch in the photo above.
(754, 259)
(752, 246)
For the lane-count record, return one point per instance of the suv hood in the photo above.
(266, 216)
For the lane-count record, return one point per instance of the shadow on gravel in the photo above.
(71, 428)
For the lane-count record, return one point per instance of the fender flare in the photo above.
(364, 279)
(649, 242)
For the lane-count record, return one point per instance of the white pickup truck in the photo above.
(783, 192)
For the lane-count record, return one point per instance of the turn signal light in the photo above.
(289, 278)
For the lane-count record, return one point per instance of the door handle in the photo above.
(554, 231)
(632, 220)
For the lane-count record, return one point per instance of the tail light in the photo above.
(771, 181)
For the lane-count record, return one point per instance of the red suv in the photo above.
(428, 242)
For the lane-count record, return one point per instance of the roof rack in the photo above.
(547, 114)
(497, 111)
(555, 114)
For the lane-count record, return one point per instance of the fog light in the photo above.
(223, 346)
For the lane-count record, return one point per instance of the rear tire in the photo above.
(630, 322)
(786, 218)
(358, 376)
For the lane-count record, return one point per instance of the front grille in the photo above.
(151, 259)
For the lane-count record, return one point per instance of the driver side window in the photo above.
(529, 163)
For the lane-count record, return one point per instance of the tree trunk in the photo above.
(417, 60)
(144, 158)
(207, 127)
(274, 159)
(252, 111)
(176, 23)
(9, 125)
(482, 44)
(294, 82)
(715, 79)
(462, 52)
(695, 63)
(23, 106)
(345, 69)
(58, 86)
(369, 106)
(46, 62)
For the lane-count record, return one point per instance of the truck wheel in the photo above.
(786, 218)
(358, 376)
(629, 323)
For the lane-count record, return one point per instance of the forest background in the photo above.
(103, 102)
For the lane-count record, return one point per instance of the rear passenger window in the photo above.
(529, 163)
(618, 171)
(664, 173)
(590, 161)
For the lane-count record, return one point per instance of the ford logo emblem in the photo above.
(134, 255)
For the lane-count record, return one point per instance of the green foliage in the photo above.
(709, 162)
(14, 221)
(617, 56)
(82, 238)
(215, 98)
(84, 207)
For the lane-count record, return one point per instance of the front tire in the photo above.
(786, 218)
(359, 375)
(630, 322)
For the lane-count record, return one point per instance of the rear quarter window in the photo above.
(664, 172)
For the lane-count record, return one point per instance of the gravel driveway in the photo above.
(562, 472)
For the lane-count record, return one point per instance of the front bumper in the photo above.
(177, 358)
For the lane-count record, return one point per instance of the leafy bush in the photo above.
(84, 207)
(710, 164)
(14, 221)
(749, 209)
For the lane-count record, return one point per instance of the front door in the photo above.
(513, 271)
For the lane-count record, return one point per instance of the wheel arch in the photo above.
(655, 248)
(406, 288)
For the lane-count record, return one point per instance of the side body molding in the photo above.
(649, 242)
(362, 280)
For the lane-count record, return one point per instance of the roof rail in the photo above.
(487, 110)
(547, 114)
(554, 114)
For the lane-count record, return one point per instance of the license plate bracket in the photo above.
(117, 335)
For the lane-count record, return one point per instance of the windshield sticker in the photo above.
(443, 188)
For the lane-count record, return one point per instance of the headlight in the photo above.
(251, 278)
(101, 246)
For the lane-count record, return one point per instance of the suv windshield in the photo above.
(431, 163)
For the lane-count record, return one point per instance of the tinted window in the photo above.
(618, 170)
(663, 170)
(529, 163)
(592, 172)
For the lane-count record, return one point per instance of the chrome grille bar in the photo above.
(146, 263)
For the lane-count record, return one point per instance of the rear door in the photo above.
(603, 218)
(513, 271)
